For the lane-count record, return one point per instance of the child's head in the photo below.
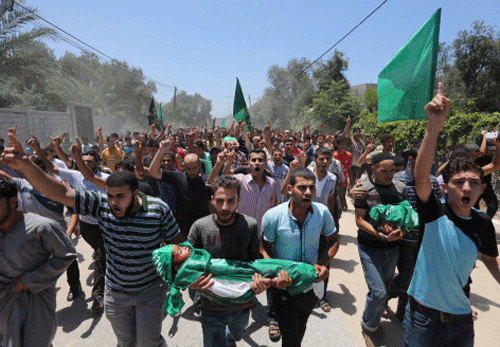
(179, 256)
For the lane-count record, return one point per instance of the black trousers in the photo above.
(92, 235)
(292, 313)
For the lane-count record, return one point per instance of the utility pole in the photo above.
(175, 96)
(249, 101)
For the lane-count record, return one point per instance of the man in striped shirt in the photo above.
(132, 225)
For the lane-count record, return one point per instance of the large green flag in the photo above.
(406, 84)
(240, 111)
(159, 115)
(223, 123)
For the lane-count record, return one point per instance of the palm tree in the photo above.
(13, 17)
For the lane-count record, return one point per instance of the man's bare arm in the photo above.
(16, 156)
(437, 111)
(76, 152)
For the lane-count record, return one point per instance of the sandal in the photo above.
(274, 327)
(325, 305)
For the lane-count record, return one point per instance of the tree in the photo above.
(11, 23)
(334, 104)
(470, 69)
(371, 99)
(291, 89)
(331, 70)
(190, 110)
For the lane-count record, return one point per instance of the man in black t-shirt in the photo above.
(486, 161)
(454, 235)
(192, 194)
(378, 250)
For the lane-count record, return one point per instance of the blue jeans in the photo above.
(220, 330)
(421, 330)
(378, 265)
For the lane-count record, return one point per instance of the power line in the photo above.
(339, 41)
(82, 42)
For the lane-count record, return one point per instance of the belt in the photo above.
(443, 317)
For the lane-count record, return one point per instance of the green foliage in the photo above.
(371, 99)
(11, 25)
(334, 104)
(470, 69)
(329, 71)
(459, 129)
(190, 110)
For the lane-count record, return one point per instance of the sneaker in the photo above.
(372, 338)
(74, 292)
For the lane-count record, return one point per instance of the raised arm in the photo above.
(60, 153)
(76, 152)
(155, 167)
(347, 125)
(35, 145)
(495, 164)
(16, 157)
(437, 111)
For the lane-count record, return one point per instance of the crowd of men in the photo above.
(241, 194)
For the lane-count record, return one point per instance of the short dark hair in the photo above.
(461, 164)
(200, 144)
(341, 139)
(288, 139)
(126, 163)
(321, 135)
(323, 151)
(226, 182)
(127, 138)
(471, 147)
(8, 188)
(123, 178)
(301, 172)
(277, 150)
(92, 154)
(153, 143)
(258, 151)
(398, 161)
(386, 137)
(307, 137)
(413, 152)
(377, 158)
(170, 154)
(355, 129)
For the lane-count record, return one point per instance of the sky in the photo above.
(202, 46)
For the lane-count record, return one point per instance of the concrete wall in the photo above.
(77, 121)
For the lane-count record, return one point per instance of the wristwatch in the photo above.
(383, 238)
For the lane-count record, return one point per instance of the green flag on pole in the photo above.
(240, 111)
(159, 115)
(406, 83)
(223, 123)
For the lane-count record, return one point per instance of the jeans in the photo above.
(408, 252)
(292, 313)
(136, 318)
(421, 330)
(220, 330)
(378, 265)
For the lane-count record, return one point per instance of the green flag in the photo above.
(406, 83)
(159, 115)
(223, 123)
(240, 111)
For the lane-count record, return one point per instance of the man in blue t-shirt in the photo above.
(454, 234)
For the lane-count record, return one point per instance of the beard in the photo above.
(128, 210)
(226, 218)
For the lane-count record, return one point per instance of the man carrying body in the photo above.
(34, 252)
(132, 226)
(292, 231)
(377, 250)
(228, 235)
(454, 235)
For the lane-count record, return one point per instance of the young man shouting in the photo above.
(454, 235)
